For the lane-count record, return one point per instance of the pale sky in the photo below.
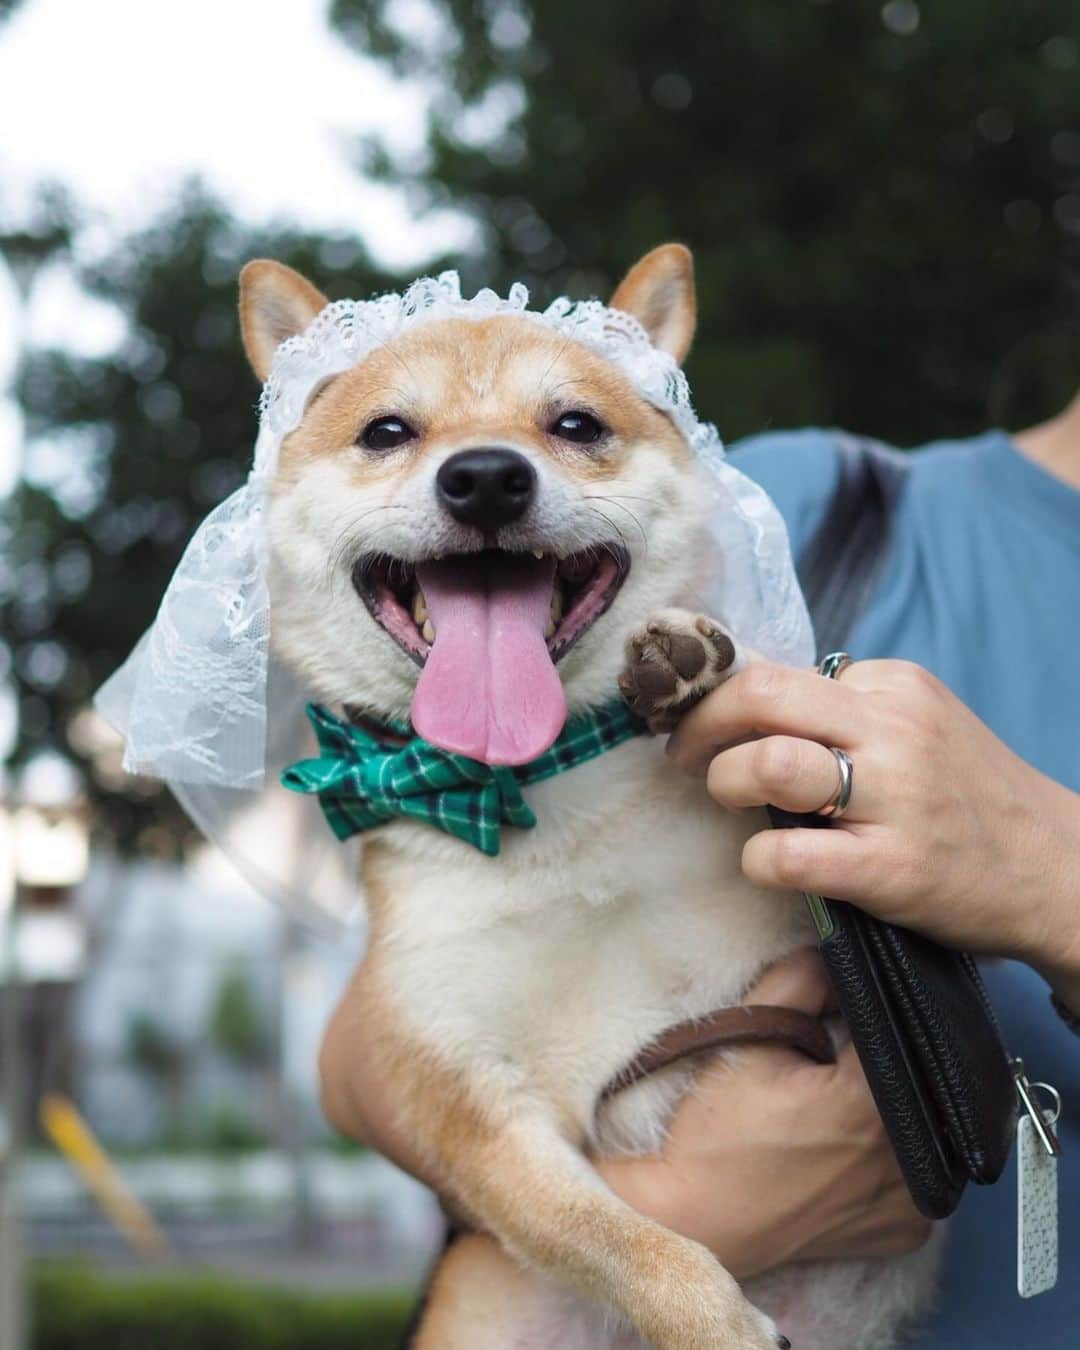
(119, 100)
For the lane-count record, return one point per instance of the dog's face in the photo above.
(467, 524)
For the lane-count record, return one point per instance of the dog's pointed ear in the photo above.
(659, 292)
(275, 303)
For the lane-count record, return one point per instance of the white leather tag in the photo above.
(1037, 1213)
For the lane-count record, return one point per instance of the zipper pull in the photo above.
(1043, 1122)
(1037, 1151)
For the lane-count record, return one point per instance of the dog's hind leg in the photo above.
(479, 1298)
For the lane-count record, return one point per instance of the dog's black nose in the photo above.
(486, 487)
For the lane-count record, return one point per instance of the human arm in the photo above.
(948, 831)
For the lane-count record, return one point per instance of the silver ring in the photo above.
(838, 802)
(1054, 1114)
(833, 664)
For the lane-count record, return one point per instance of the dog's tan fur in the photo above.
(502, 995)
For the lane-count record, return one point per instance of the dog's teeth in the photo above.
(556, 603)
(419, 608)
(538, 553)
(428, 631)
(549, 631)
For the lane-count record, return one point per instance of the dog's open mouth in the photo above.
(582, 587)
(488, 628)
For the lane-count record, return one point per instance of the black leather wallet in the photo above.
(926, 1035)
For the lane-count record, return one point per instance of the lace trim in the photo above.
(348, 330)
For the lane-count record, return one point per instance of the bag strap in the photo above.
(842, 563)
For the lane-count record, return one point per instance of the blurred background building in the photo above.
(884, 202)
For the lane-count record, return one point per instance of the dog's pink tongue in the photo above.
(489, 689)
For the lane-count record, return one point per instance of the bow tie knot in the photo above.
(362, 782)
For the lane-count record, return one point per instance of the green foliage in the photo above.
(883, 200)
(76, 1309)
(235, 1025)
(228, 1130)
(152, 1048)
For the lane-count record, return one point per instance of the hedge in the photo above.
(76, 1308)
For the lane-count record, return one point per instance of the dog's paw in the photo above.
(672, 663)
(748, 1329)
(758, 1329)
(732, 1323)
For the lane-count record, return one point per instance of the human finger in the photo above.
(768, 699)
(841, 864)
(784, 771)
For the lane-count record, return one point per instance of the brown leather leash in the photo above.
(742, 1024)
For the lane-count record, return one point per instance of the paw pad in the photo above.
(672, 663)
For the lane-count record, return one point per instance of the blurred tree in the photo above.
(236, 1027)
(884, 199)
(239, 1032)
(228, 1129)
(162, 1057)
(124, 455)
(152, 1048)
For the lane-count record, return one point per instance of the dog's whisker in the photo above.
(570, 382)
(613, 526)
(342, 546)
(614, 496)
(614, 501)
(551, 364)
(348, 548)
(392, 351)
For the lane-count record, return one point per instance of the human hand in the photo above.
(947, 831)
(773, 1159)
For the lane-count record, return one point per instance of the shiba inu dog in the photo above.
(484, 527)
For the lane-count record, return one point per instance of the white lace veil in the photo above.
(202, 702)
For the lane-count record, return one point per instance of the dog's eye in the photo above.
(580, 427)
(384, 433)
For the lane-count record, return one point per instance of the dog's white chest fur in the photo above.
(622, 913)
(541, 973)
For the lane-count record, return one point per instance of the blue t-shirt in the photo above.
(982, 587)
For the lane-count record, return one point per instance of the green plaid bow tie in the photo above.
(362, 782)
